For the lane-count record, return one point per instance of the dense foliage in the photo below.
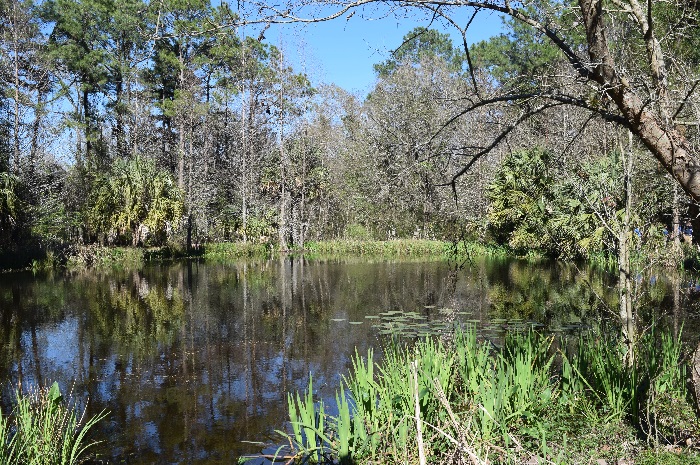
(460, 400)
(140, 123)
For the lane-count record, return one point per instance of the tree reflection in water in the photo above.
(193, 358)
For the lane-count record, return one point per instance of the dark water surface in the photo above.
(193, 359)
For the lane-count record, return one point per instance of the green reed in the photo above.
(308, 425)
(43, 429)
(385, 249)
(490, 404)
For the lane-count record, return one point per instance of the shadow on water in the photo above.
(193, 359)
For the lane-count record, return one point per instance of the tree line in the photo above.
(153, 123)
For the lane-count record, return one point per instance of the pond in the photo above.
(194, 359)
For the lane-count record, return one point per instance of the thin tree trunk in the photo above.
(181, 140)
(16, 145)
(246, 126)
(676, 234)
(283, 180)
(624, 266)
(88, 123)
(119, 123)
(36, 126)
(302, 203)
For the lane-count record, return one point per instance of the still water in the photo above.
(193, 359)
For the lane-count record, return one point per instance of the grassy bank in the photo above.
(235, 250)
(404, 248)
(95, 256)
(536, 399)
(104, 257)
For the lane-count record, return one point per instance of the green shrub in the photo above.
(357, 232)
(98, 256)
(664, 457)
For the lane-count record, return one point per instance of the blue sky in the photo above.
(343, 51)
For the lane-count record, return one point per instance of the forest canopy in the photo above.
(149, 123)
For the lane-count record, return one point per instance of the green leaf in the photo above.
(54, 394)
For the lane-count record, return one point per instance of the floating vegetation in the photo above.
(411, 324)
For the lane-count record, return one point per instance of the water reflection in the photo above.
(193, 358)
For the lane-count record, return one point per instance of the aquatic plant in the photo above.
(460, 399)
(307, 425)
(43, 429)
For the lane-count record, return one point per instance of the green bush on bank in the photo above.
(100, 256)
(526, 401)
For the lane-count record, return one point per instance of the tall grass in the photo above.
(95, 256)
(43, 429)
(233, 250)
(411, 248)
(478, 403)
(384, 249)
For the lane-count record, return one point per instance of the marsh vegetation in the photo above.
(530, 399)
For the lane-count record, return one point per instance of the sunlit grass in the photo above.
(44, 429)
(482, 404)
(234, 250)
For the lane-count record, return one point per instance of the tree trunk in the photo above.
(662, 139)
(88, 123)
(36, 126)
(189, 233)
(283, 180)
(625, 289)
(676, 231)
(695, 368)
(181, 155)
(181, 140)
(119, 116)
(16, 135)
(247, 108)
(624, 266)
(283, 214)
